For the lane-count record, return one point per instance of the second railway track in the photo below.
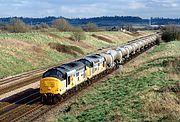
(15, 85)
(11, 109)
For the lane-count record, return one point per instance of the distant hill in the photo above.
(104, 21)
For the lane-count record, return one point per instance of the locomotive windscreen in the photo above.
(53, 73)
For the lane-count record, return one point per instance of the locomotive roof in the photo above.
(73, 65)
(69, 67)
(93, 58)
(62, 70)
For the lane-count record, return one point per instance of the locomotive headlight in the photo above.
(49, 88)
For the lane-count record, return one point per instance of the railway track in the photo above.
(11, 109)
(15, 85)
(14, 78)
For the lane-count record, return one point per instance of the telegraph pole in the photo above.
(150, 21)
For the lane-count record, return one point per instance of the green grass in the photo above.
(11, 65)
(19, 58)
(35, 37)
(96, 42)
(130, 96)
(90, 40)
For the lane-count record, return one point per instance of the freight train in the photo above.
(59, 80)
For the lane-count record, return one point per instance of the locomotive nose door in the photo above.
(50, 85)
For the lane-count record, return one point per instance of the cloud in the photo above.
(81, 10)
(136, 5)
(90, 8)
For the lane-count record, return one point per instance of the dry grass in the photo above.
(103, 38)
(163, 103)
(52, 35)
(15, 47)
(72, 50)
(135, 34)
(68, 40)
(80, 44)
(173, 67)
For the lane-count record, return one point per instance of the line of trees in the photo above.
(18, 26)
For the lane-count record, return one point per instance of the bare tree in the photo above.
(91, 27)
(171, 28)
(17, 26)
(61, 25)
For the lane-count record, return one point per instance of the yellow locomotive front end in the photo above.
(51, 86)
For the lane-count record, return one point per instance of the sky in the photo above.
(90, 8)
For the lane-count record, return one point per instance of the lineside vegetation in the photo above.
(171, 33)
(147, 90)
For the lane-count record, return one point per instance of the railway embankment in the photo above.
(148, 89)
(23, 52)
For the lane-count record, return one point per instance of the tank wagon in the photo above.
(59, 80)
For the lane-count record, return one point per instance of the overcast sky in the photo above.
(90, 8)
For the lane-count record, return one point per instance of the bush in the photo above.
(78, 34)
(61, 25)
(2, 27)
(17, 26)
(170, 33)
(168, 36)
(90, 27)
(43, 27)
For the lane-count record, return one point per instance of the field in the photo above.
(148, 89)
(21, 52)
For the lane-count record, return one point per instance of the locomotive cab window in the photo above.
(77, 74)
(53, 73)
(103, 63)
(69, 80)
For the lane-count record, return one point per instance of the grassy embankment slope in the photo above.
(148, 89)
(21, 52)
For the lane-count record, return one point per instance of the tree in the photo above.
(78, 34)
(2, 26)
(43, 27)
(61, 25)
(91, 27)
(17, 26)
